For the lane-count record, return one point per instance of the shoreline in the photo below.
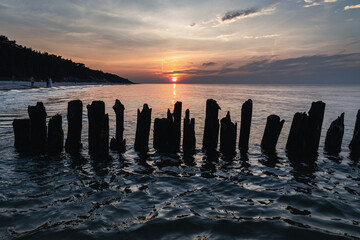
(19, 85)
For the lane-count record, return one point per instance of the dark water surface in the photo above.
(254, 196)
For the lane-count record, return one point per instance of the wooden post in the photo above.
(98, 129)
(22, 134)
(211, 130)
(143, 129)
(177, 125)
(334, 135)
(189, 139)
(38, 130)
(55, 135)
(305, 131)
(228, 135)
(246, 115)
(162, 134)
(118, 143)
(271, 133)
(297, 133)
(74, 117)
(355, 142)
(316, 117)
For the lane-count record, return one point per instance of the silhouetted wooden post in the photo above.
(143, 129)
(74, 118)
(177, 125)
(334, 135)
(316, 117)
(55, 135)
(189, 139)
(297, 133)
(38, 130)
(22, 134)
(118, 143)
(211, 130)
(228, 135)
(271, 133)
(246, 115)
(98, 129)
(305, 131)
(355, 142)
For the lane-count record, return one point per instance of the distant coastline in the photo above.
(19, 63)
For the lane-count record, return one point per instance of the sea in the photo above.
(172, 196)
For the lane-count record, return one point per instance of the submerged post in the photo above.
(211, 130)
(246, 115)
(98, 129)
(55, 135)
(355, 142)
(74, 117)
(22, 134)
(271, 133)
(118, 143)
(305, 131)
(143, 129)
(228, 135)
(38, 130)
(334, 135)
(189, 140)
(177, 125)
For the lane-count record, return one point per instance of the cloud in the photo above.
(208, 64)
(312, 4)
(330, 1)
(238, 13)
(351, 7)
(192, 24)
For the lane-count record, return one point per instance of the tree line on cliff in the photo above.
(20, 63)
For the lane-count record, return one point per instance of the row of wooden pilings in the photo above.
(32, 134)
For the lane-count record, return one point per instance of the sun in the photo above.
(174, 79)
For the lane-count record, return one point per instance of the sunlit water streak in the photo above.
(171, 196)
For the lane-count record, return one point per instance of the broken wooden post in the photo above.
(162, 134)
(271, 133)
(38, 130)
(22, 134)
(74, 118)
(177, 125)
(305, 131)
(228, 135)
(118, 143)
(316, 117)
(334, 135)
(143, 129)
(355, 142)
(246, 115)
(55, 135)
(98, 129)
(211, 130)
(189, 140)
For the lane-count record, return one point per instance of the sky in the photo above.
(197, 41)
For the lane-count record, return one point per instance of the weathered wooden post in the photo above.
(246, 115)
(189, 139)
(55, 135)
(228, 135)
(211, 130)
(177, 125)
(316, 117)
(143, 129)
(118, 143)
(162, 133)
(271, 133)
(22, 134)
(98, 129)
(38, 130)
(334, 135)
(74, 117)
(305, 131)
(355, 142)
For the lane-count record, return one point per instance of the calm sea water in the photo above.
(171, 196)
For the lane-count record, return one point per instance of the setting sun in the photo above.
(174, 79)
